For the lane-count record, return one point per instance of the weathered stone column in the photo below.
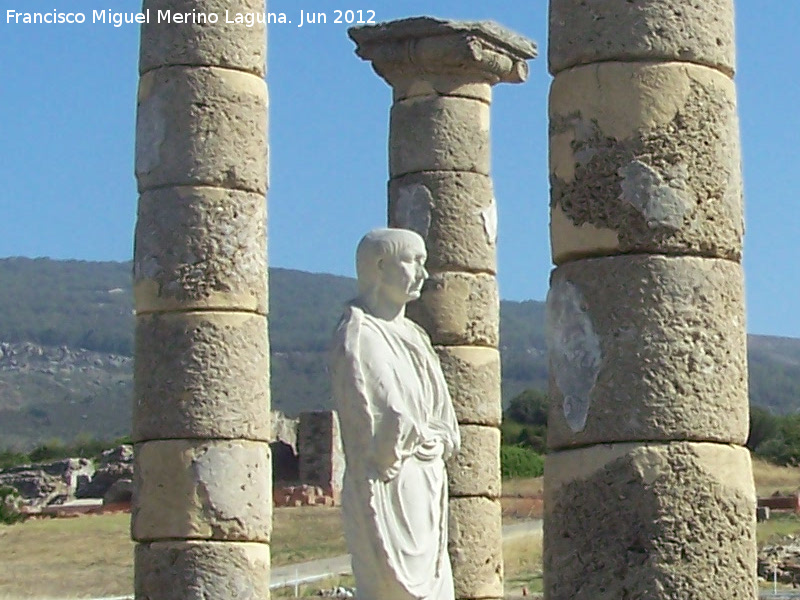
(648, 490)
(441, 73)
(203, 505)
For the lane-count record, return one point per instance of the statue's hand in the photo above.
(430, 449)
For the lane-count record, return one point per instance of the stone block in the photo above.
(644, 158)
(414, 83)
(645, 30)
(430, 56)
(459, 309)
(319, 446)
(650, 521)
(440, 133)
(476, 547)
(200, 247)
(473, 378)
(201, 126)
(647, 348)
(192, 40)
(201, 375)
(475, 470)
(456, 214)
(182, 570)
(208, 490)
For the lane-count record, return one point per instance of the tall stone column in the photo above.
(441, 73)
(648, 488)
(202, 508)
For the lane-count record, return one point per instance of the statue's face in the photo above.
(403, 273)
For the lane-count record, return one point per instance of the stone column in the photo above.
(441, 73)
(202, 507)
(648, 488)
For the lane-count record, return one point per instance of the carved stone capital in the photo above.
(427, 48)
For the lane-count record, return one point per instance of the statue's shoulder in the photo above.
(350, 322)
(354, 325)
(358, 338)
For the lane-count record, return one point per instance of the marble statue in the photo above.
(398, 428)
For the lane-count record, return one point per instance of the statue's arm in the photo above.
(370, 404)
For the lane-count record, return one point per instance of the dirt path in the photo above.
(315, 570)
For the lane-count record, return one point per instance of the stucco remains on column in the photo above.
(648, 489)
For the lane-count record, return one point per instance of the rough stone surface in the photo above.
(283, 446)
(475, 470)
(200, 248)
(650, 521)
(230, 45)
(473, 377)
(439, 134)
(319, 445)
(459, 309)
(656, 30)
(201, 375)
(284, 429)
(181, 570)
(208, 489)
(455, 212)
(412, 83)
(647, 348)
(201, 126)
(424, 56)
(120, 492)
(115, 465)
(644, 158)
(416, 28)
(42, 484)
(476, 547)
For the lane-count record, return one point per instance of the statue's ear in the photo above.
(379, 264)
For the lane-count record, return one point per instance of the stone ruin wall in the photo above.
(308, 459)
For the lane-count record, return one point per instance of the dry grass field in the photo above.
(58, 558)
(522, 499)
(300, 534)
(779, 526)
(522, 559)
(91, 556)
(771, 478)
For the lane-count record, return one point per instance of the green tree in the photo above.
(784, 447)
(533, 437)
(516, 461)
(763, 426)
(9, 506)
(529, 408)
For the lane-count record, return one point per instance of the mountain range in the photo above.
(66, 346)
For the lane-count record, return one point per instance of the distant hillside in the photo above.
(67, 303)
(66, 344)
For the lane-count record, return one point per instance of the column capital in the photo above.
(424, 48)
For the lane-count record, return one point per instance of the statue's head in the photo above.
(390, 264)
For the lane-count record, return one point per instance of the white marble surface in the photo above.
(398, 427)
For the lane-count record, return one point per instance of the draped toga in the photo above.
(398, 427)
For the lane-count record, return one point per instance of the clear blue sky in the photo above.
(67, 106)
